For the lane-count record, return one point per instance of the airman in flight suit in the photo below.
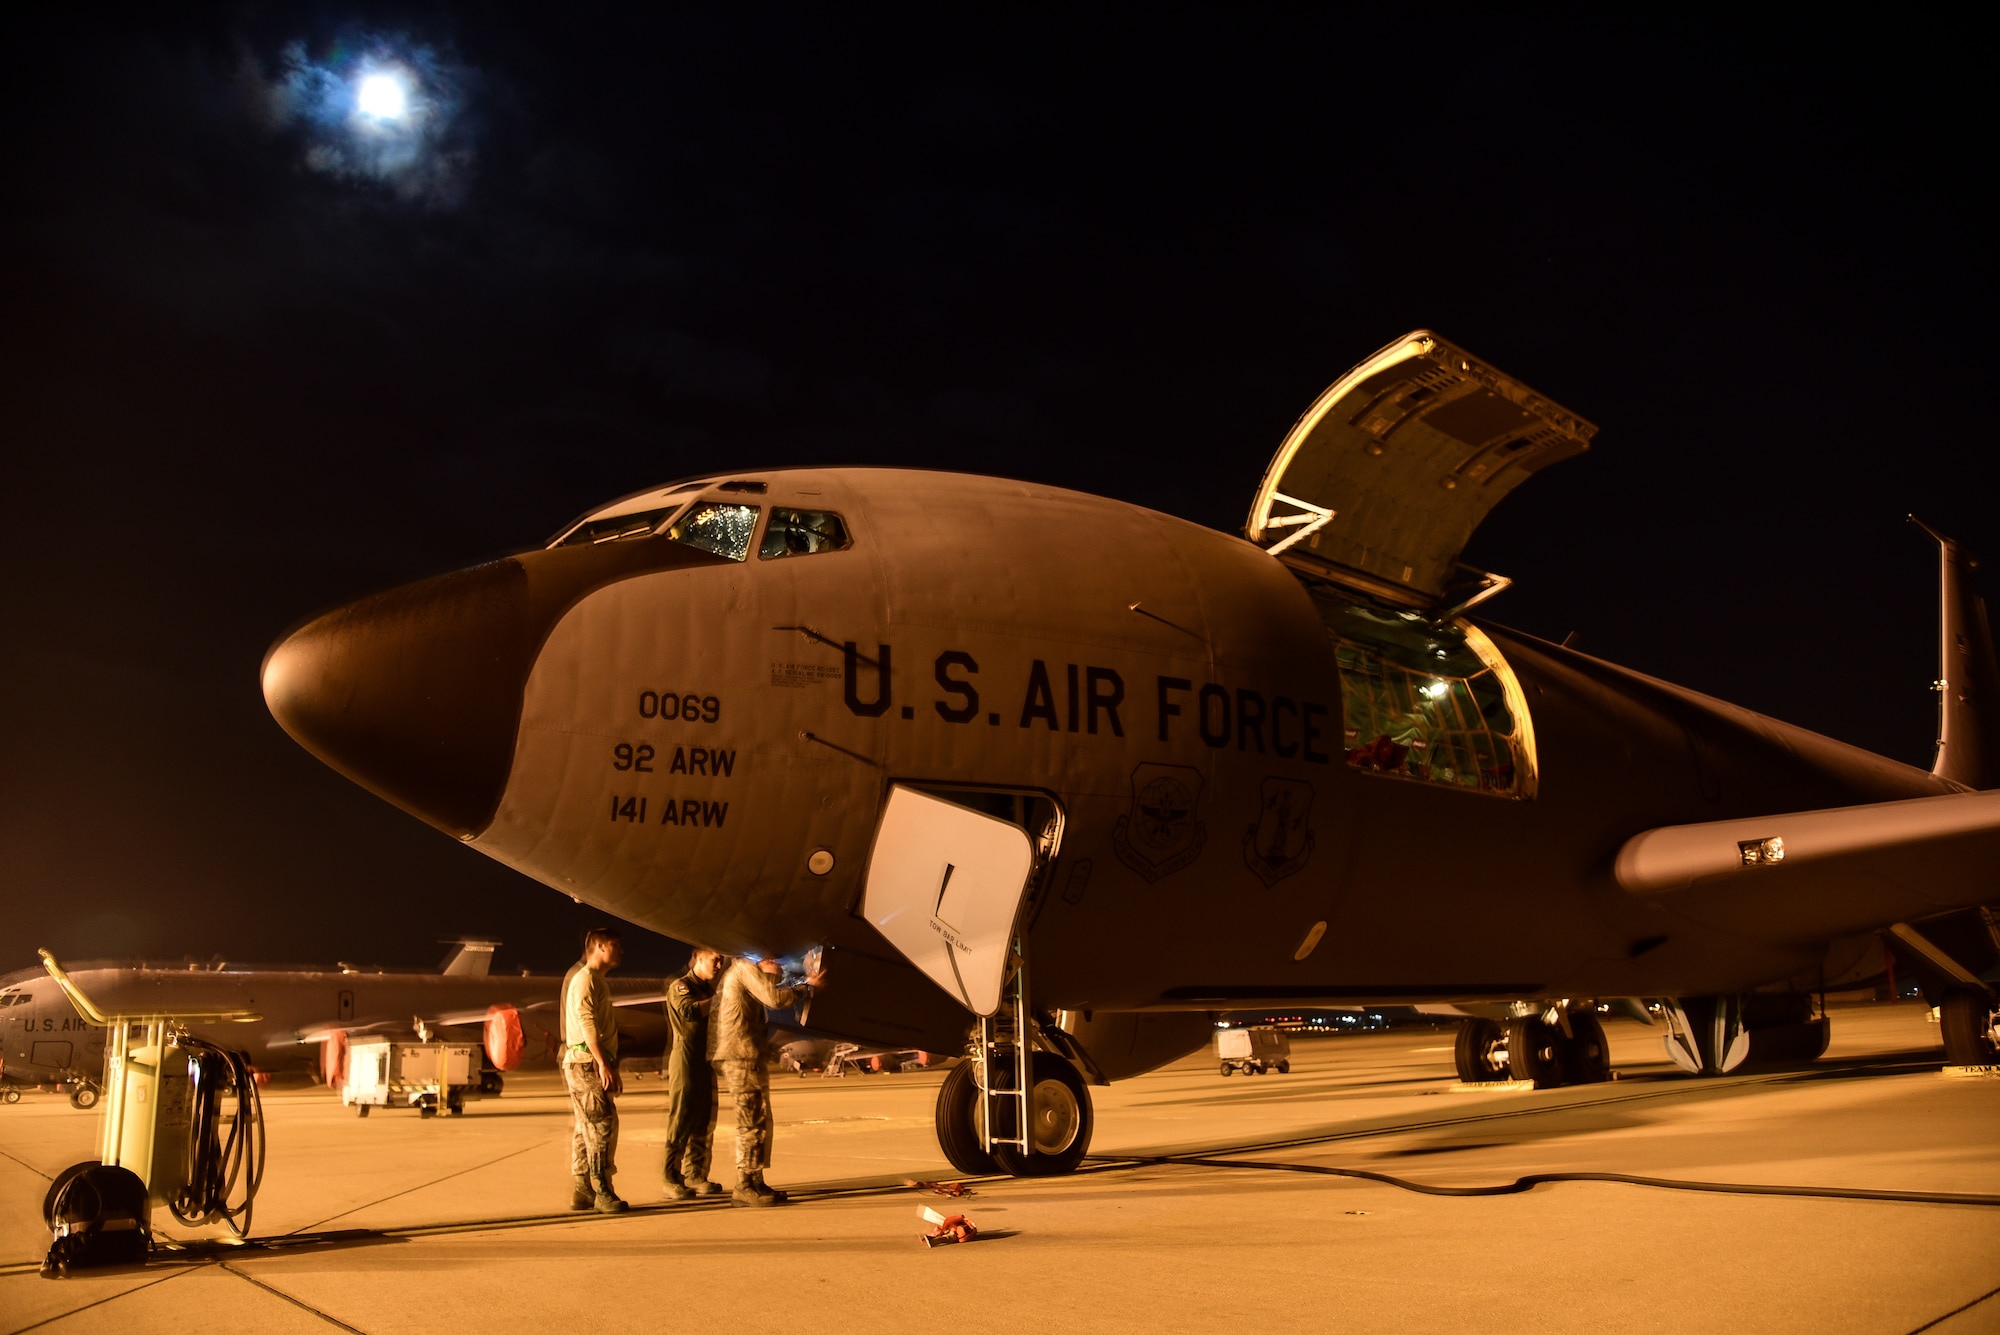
(691, 1099)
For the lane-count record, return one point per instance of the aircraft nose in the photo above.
(415, 694)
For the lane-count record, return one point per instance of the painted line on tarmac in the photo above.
(300, 1303)
(30, 1167)
(1940, 1320)
(511, 1154)
(112, 1298)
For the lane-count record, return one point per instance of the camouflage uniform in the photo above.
(740, 1038)
(587, 1009)
(691, 1097)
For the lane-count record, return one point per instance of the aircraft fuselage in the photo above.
(703, 745)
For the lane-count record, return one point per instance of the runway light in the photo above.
(381, 97)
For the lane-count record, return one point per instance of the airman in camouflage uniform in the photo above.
(590, 1070)
(740, 1038)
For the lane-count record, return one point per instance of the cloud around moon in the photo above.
(376, 112)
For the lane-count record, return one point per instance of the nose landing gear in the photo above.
(1059, 1123)
(1016, 1105)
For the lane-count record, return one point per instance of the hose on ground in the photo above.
(1533, 1180)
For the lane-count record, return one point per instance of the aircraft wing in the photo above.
(449, 1018)
(1810, 874)
(319, 1033)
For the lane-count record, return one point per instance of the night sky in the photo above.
(259, 361)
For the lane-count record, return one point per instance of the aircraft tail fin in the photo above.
(1968, 684)
(469, 958)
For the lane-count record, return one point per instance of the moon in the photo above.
(381, 97)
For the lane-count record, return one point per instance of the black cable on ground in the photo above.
(1533, 1180)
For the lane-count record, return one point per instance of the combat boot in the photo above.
(777, 1197)
(607, 1201)
(701, 1186)
(751, 1191)
(676, 1188)
(582, 1196)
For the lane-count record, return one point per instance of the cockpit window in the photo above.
(610, 528)
(1425, 701)
(722, 529)
(802, 533)
(13, 997)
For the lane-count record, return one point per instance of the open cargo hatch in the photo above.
(1382, 482)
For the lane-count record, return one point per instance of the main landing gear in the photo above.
(1717, 1035)
(1552, 1046)
(1018, 1104)
(1971, 1026)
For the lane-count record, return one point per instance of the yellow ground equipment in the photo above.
(167, 1136)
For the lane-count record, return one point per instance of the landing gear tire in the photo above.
(958, 1123)
(1966, 1017)
(1481, 1052)
(1284, 1068)
(1535, 1051)
(1586, 1055)
(360, 1110)
(1060, 1133)
(83, 1097)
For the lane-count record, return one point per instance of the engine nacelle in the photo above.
(505, 1040)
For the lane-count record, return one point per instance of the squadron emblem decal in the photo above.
(1280, 842)
(1158, 834)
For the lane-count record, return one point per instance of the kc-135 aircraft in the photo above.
(1048, 778)
(306, 1014)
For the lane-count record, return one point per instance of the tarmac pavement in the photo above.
(395, 1223)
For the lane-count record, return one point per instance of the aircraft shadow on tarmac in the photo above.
(1451, 1147)
(1282, 1092)
(1861, 1068)
(200, 1252)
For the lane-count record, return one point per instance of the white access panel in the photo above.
(945, 884)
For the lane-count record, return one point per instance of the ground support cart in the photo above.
(430, 1077)
(1253, 1051)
